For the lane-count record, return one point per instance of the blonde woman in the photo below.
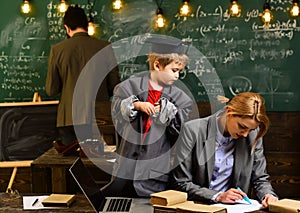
(220, 156)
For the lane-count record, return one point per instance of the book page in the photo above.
(241, 206)
(196, 207)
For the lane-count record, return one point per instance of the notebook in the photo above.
(94, 195)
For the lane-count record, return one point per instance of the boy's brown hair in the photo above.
(165, 59)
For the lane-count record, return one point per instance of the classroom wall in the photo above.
(282, 151)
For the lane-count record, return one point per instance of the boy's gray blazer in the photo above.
(196, 158)
(146, 162)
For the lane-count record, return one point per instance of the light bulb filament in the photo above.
(160, 21)
(185, 9)
(25, 7)
(267, 16)
(235, 9)
(295, 10)
(62, 7)
(117, 4)
(91, 29)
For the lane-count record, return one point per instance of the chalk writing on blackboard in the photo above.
(201, 77)
(238, 84)
(22, 56)
(230, 47)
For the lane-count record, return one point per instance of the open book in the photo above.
(172, 201)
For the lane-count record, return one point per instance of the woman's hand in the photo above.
(268, 199)
(230, 196)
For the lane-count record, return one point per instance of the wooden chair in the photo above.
(14, 165)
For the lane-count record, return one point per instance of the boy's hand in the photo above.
(157, 106)
(146, 107)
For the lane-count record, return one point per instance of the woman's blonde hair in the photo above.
(165, 59)
(251, 105)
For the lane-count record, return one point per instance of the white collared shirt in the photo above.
(224, 161)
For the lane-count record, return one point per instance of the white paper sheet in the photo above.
(29, 200)
(241, 206)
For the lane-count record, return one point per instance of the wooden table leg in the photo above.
(12, 178)
(59, 184)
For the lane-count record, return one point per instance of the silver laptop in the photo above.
(91, 190)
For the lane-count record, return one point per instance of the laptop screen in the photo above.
(86, 182)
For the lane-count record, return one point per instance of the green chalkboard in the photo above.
(228, 54)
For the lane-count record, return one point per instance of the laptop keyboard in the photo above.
(119, 205)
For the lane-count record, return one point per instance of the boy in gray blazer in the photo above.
(148, 113)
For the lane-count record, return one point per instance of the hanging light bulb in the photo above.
(91, 29)
(185, 8)
(294, 11)
(117, 4)
(160, 20)
(91, 26)
(267, 15)
(62, 7)
(25, 8)
(235, 9)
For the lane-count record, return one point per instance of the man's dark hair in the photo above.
(75, 17)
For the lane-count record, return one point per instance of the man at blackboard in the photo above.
(66, 62)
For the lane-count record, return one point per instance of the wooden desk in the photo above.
(50, 172)
(11, 203)
(14, 204)
(29, 103)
